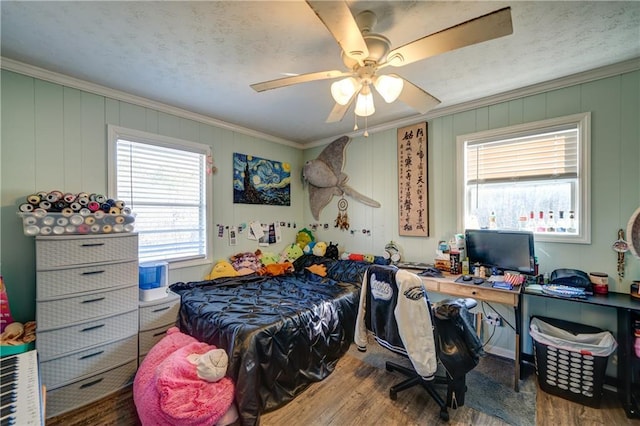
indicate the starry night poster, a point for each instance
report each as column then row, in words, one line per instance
column 260, row 181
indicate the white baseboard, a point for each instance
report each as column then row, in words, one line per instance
column 501, row 352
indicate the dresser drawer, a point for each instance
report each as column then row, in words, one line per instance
column 62, row 282
column 148, row 339
column 60, row 251
column 66, row 369
column 159, row 314
column 57, row 313
column 85, row 391
column 66, row 340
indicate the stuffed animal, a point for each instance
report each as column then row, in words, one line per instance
column 275, row 269
column 380, row 260
column 222, row 269
column 304, row 237
column 308, row 249
column 291, row 253
column 268, row 258
column 320, row 270
column 320, row 248
column 246, row 262
column 332, row 251
column 182, row 381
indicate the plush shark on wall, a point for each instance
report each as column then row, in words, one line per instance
column 325, row 178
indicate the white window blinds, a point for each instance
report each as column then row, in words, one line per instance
column 536, row 167
column 550, row 155
column 165, row 187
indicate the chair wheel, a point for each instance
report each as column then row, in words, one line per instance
column 393, row 395
column 444, row 415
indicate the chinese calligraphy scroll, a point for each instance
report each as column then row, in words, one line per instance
column 413, row 195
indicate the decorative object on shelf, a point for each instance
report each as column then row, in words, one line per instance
column 635, row 290
column 633, row 233
column 342, row 221
column 600, row 281
column 621, row 247
column 18, row 333
column 413, row 185
column 326, row 179
column 5, row 311
column 392, row 252
column 58, row 213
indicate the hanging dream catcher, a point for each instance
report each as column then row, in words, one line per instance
column 342, row 221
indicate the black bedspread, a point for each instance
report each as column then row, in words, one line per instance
column 281, row 333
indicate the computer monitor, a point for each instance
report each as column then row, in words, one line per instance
column 503, row 250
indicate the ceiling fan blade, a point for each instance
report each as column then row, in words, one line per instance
column 340, row 22
column 338, row 112
column 416, row 98
column 487, row 27
column 296, row 79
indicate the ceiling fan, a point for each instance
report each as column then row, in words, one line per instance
column 365, row 53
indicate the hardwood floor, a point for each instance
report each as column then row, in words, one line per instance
column 357, row 393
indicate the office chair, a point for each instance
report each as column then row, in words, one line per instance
column 395, row 308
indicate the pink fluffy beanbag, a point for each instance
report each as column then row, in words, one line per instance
column 181, row 382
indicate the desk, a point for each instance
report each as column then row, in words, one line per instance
column 627, row 310
column 483, row 292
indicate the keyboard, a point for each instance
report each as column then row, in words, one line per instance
column 20, row 390
column 414, row 265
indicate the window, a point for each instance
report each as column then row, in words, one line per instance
column 533, row 177
column 166, row 184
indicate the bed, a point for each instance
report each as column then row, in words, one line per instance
column 281, row 333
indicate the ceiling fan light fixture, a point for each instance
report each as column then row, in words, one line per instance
column 389, row 87
column 364, row 103
column 343, row 90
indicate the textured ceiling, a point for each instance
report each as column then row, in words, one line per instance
column 202, row 56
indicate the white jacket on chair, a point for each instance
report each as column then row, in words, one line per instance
column 394, row 307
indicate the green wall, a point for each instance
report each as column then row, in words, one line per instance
column 54, row 137
column 614, row 103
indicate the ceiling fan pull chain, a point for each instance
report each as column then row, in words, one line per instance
column 355, row 121
column 366, row 126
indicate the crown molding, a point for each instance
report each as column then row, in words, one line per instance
column 65, row 80
column 534, row 89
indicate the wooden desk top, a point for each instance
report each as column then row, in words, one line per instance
column 484, row 291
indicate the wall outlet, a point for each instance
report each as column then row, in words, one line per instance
column 494, row 320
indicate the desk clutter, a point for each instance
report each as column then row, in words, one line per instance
column 58, row 213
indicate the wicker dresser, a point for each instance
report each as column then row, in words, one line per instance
column 156, row 317
column 87, row 316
